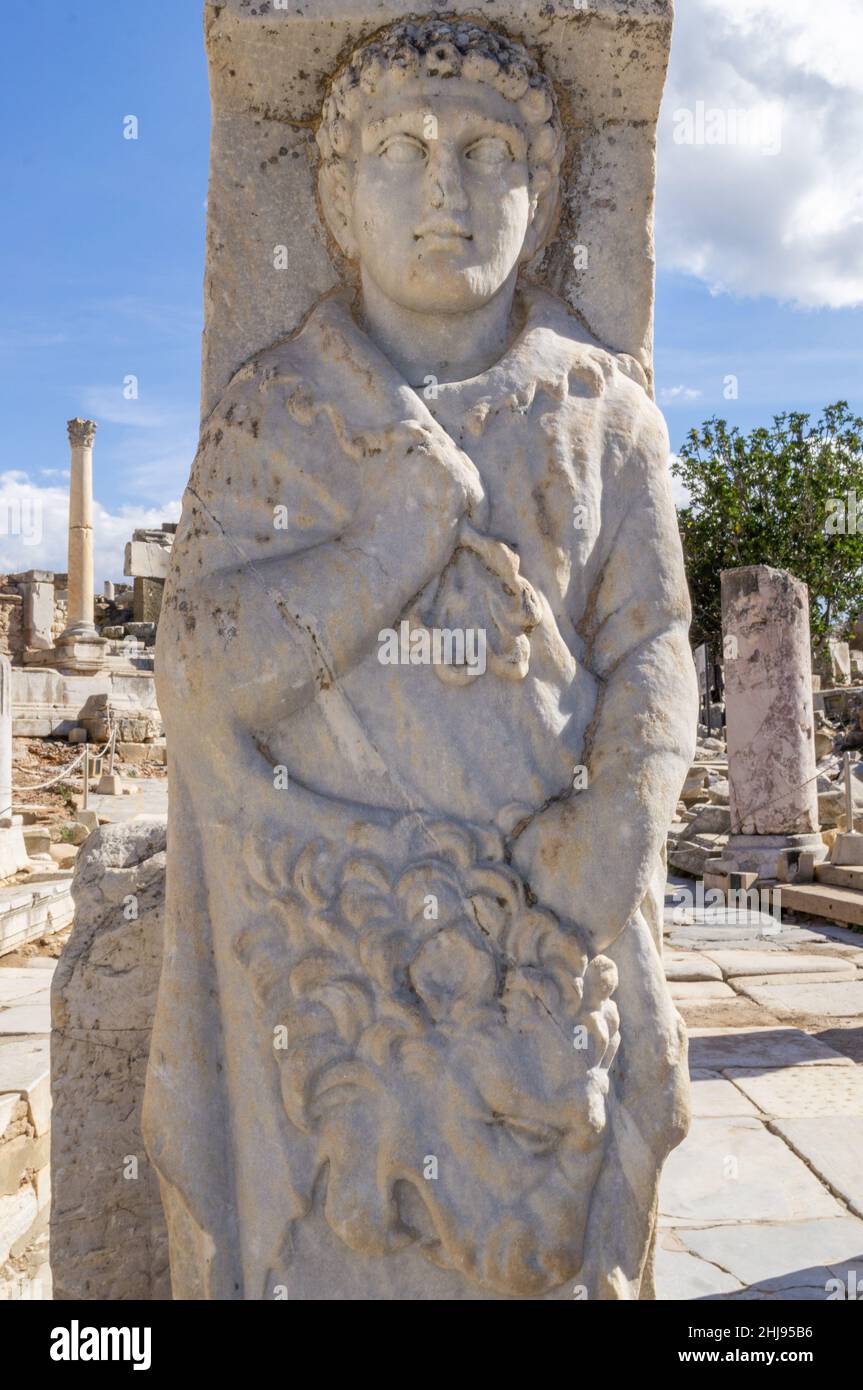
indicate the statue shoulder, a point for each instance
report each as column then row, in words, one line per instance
column 609, row 369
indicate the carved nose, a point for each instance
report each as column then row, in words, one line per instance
column 414, row 1215
column 447, row 190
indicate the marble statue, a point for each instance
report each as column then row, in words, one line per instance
column 424, row 670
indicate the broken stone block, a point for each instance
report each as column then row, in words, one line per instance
column 832, row 661
column 147, row 600
column 147, row 559
column 107, row 1228
column 711, row 820
column 110, row 784
column 694, row 786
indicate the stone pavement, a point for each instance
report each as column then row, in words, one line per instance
column 764, row 1199
column 149, row 799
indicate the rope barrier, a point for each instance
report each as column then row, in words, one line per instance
column 70, row 768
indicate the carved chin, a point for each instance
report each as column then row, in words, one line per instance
column 515, row 1258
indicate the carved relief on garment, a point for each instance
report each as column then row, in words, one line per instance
column 447, row 1048
column 482, row 591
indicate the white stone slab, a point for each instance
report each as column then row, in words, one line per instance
column 19, row 984
column 821, row 977
column 797, row 1254
column 25, row 1067
column 732, row 1170
column 8, row 1103
column 843, row 999
column 801, row 1092
column 733, row 963
column 680, row 1275
column 689, row 965
column 32, row 1015
column 717, row 1049
column 702, row 990
column 713, row 1097
column 833, row 1146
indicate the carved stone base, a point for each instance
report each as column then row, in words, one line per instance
column 764, row 854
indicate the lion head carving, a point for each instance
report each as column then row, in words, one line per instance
column 448, row 1048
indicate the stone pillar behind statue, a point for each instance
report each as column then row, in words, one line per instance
column 770, row 721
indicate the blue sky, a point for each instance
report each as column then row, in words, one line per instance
column 103, row 238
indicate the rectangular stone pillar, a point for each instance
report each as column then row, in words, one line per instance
column 770, row 720
column 13, row 852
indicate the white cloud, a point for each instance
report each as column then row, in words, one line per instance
column 669, row 395
column 34, row 524
column 787, row 224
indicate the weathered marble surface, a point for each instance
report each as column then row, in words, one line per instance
column 269, row 72
column 412, row 978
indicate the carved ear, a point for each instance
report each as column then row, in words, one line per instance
column 545, row 205
column 335, row 194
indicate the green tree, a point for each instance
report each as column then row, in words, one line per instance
column 790, row 496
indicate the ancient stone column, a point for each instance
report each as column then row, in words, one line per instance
column 13, row 852
column 5, row 741
column 80, row 625
column 770, row 722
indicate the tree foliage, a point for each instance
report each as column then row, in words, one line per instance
column 790, row 496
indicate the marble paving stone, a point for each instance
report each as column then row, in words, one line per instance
column 833, row 1146
column 820, row 977
column 33, row 1015
column 844, row 999
column 717, row 1049
column 801, row 1092
column 734, row 1170
column 684, row 965
column 739, row 1012
column 713, row 1096
column 19, row 984
column 803, row 1254
column 701, row 990
column 25, row 1067
column 681, row 1275
column 734, row 963
column 737, row 938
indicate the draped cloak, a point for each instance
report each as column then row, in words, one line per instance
column 572, row 566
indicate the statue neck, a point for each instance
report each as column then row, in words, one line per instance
column 448, row 347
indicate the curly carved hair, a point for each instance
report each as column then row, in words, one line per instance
column 413, row 49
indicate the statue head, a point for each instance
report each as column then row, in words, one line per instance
column 441, row 148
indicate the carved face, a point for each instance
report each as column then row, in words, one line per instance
column 441, row 208
column 475, row 1143
column 448, row 1055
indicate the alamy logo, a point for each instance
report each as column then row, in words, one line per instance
column 76, row 1343
column 436, row 646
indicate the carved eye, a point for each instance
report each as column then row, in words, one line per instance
column 533, row 1139
column 490, row 150
column 403, row 150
